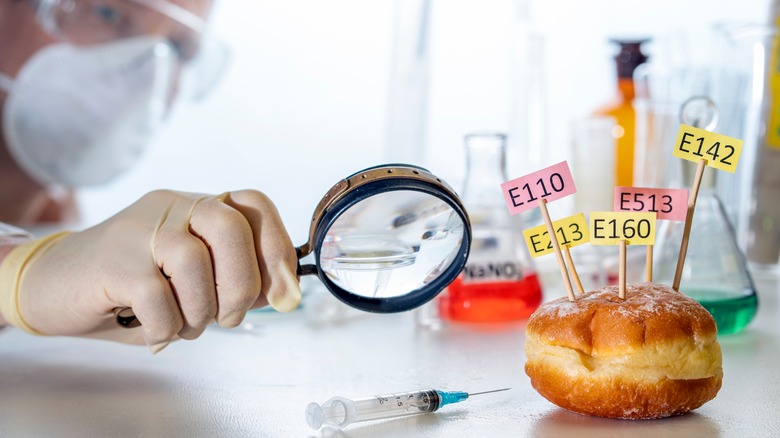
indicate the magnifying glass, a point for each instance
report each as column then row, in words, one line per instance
column 386, row 239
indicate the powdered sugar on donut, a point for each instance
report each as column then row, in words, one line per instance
column 641, row 299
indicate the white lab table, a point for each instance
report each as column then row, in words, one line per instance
column 258, row 382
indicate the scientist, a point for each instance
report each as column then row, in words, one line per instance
column 85, row 84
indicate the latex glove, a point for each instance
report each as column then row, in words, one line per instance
column 180, row 260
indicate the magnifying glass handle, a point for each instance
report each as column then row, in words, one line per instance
column 306, row 269
column 302, row 252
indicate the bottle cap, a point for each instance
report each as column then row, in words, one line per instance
column 630, row 56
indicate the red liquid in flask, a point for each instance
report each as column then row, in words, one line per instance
column 494, row 301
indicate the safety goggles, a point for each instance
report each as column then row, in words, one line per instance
column 202, row 58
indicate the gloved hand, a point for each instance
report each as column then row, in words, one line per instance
column 180, row 260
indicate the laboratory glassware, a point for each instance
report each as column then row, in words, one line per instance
column 738, row 79
column 528, row 144
column 339, row 412
column 621, row 108
column 386, row 239
column 593, row 160
column 752, row 52
column 407, row 100
column 715, row 272
column 499, row 282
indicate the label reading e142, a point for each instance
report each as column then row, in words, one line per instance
column 720, row 151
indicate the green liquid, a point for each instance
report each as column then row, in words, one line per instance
column 732, row 312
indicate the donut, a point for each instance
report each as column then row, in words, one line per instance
column 653, row 355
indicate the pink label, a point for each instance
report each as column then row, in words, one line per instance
column 550, row 183
column 670, row 204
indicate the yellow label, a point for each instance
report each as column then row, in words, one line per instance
column 571, row 231
column 773, row 129
column 720, row 151
column 610, row 227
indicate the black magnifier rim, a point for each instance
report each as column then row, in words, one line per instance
column 414, row 298
column 389, row 166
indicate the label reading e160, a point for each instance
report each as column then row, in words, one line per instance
column 550, row 183
column 571, row 231
column 610, row 227
column 720, row 151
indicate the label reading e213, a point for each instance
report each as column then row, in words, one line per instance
column 550, row 183
column 720, row 151
column 610, row 227
column 572, row 231
column 669, row 204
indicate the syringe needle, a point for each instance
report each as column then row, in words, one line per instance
column 488, row 392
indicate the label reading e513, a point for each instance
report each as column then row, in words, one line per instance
column 669, row 204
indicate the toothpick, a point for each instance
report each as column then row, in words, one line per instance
column 556, row 248
column 572, row 269
column 649, row 263
column 622, row 270
column 688, row 222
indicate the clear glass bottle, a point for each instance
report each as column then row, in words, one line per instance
column 499, row 282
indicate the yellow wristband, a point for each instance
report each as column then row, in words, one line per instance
column 12, row 271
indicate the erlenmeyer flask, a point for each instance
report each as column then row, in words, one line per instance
column 715, row 272
column 499, row 282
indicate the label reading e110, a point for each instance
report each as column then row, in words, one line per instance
column 610, row 227
column 669, row 204
column 720, row 151
column 550, row 183
column 571, row 231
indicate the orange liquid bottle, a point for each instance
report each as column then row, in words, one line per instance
column 622, row 109
column 499, row 282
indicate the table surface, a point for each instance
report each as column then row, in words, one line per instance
column 256, row 381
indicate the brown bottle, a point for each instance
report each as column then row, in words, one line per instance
column 621, row 108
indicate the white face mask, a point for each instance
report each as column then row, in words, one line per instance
column 78, row 116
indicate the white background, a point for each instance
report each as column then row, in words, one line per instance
column 304, row 101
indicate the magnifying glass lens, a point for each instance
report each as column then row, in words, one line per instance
column 391, row 243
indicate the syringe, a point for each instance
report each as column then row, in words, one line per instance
column 339, row 411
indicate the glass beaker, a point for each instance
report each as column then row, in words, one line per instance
column 499, row 282
column 407, row 103
column 751, row 52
